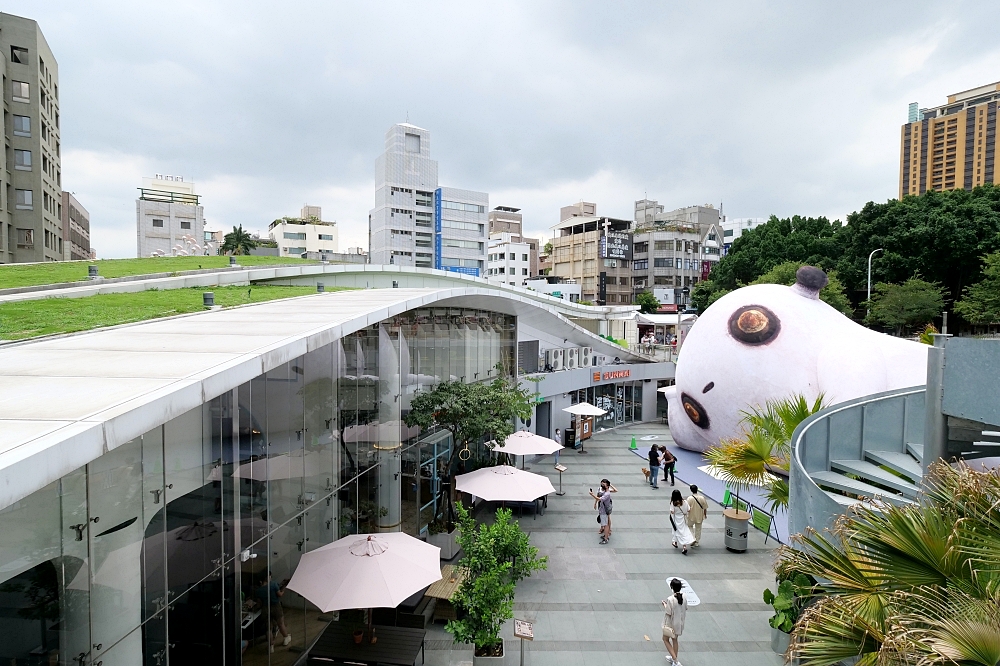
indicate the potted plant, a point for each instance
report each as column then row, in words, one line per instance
column 495, row 557
column 443, row 534
column 788, row 604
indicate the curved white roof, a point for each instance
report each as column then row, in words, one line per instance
column 65, row 401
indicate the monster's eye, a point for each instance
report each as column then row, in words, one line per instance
column 754, row 325
column 695, row 411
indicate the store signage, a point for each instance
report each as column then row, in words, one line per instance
column 612, row 374
column 616, row 245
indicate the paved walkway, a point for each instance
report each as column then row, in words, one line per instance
column 598, row 604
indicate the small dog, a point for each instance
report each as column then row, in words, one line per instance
column 645, row 473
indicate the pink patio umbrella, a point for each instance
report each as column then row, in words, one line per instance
column 523, row 443
column 373, row 571
column 504, row 483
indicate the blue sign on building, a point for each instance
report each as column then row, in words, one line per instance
column 437, row 228
column 463, row 269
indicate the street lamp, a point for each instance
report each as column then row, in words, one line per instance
column 870, row 278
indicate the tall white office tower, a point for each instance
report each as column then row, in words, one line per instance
column 417, row 223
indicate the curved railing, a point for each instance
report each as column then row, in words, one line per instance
column 852, row 447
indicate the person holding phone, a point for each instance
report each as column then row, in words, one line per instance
column 602, row 501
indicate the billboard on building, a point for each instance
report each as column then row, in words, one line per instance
column 616, row 245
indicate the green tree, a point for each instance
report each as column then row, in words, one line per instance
column 808, row 240
column 902, row 306
column 471, row 413
column 238, row 241
column 980, row 302
column 940, row 235
column 912, row 584
column 832, row 294
column 759, row 457
column 548, row 248
column 705, row 293
column 495, row 557
column 647, row 302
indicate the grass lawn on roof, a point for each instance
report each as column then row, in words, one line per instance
column 53, row 272
column 29, row 319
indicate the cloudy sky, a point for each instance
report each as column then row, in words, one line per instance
column 769, row 108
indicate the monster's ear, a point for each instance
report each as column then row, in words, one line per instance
column 808, row 281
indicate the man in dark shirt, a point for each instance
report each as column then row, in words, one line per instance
column 654, row 466
column 270, row 594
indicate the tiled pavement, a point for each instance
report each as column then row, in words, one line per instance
column 598, row 604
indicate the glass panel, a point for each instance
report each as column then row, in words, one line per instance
column 284, row 441
column 74, row 620
column 195, row 623
column 388, row 445
column 116, row 539
column 284, row 608
column 32, row 580
column 154, row 544
column 194, row 529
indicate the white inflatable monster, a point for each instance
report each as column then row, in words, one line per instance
column 770, row 341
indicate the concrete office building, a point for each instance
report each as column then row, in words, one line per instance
column 504, row 219
column 145, row 495
column 417, row 223
column 169, row 218
column 75, row 229
column 950, row 146
column 672, row 251
column 594, row 251
column 308, row 233
column 31, row 227
column 509, row 260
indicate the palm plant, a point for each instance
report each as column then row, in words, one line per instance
column 760, row 456
column 238, row 241
column 915, row 584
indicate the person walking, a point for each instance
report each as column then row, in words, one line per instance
column 654, row 466
column 270, row 594
column 674, row 614
column 558, row 441
column 682, row 536
column 697, row 512
column 602, row 501
column 669, row 462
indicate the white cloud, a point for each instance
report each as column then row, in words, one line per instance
column 780, row 107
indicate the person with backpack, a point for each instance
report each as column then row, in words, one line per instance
column 654, row 466
column 674, row 614
column 697, row 512
column 602, row 502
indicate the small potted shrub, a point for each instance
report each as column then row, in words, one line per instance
column 495, row 557
column 793, row 593
column 443, row 534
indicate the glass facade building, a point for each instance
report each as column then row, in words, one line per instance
column 156, row 552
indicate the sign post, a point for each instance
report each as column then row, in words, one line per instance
column 560, row 469
column 525, row 631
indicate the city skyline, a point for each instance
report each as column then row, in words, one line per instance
column 765, row 110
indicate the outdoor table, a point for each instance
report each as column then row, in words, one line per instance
column 395, row 645
column 444, row 590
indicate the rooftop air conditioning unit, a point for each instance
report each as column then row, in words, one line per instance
column 554, row 359
column 572, row 358
column 586, row 357
column 599, row 359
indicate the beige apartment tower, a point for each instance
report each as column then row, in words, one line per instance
column 31, row 189
column 950, row 146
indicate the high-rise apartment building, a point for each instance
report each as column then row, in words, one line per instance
column 950, row 146
column 673, row 250
column 75, row 229
column 416, row 222
column 31, row 178
column 169, row 218
column 594, row 251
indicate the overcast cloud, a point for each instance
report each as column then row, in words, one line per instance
column 770, row 108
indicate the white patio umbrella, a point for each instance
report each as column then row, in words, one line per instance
column 504, row 483
column 293, row 465
column 523, row 443
column 584, row 409
column 373, row 571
